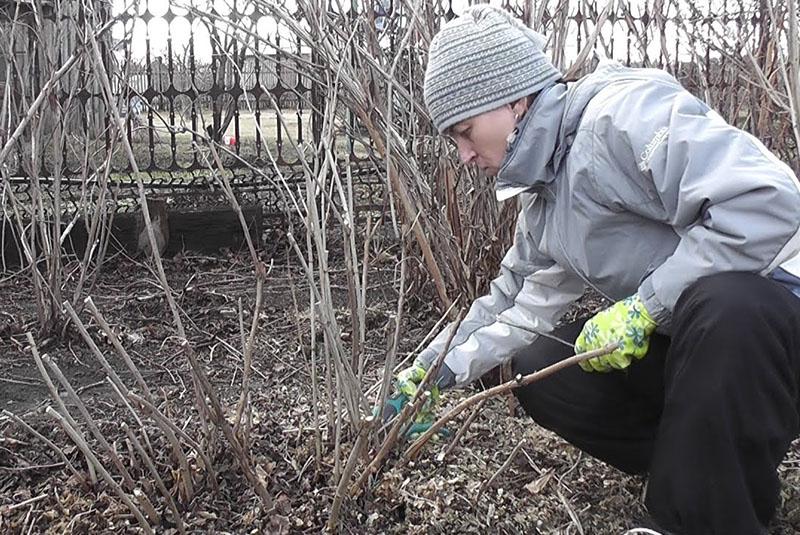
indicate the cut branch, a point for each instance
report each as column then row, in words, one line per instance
column 90, row 456
column 519, row 381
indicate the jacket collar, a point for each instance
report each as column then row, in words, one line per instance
column 533, row 145
column 544, row 135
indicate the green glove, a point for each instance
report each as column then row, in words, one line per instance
column 409, row 379
column 626, row 322
column 406, row 384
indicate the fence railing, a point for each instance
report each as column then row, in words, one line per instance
column 183, row 79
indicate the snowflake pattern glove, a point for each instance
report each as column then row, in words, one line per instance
column 627, row 323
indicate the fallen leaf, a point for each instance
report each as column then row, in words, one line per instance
column 537, row 485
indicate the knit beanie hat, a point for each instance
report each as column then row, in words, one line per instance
column 481, row 60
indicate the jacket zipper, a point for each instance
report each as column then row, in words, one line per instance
column 569, row 260
column 567, row 107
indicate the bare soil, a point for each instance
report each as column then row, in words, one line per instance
column 550, row 487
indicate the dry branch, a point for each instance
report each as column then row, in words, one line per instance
column 151, row 467
column 50, row 444
column 163, row 419
column 126, row 476
column 93, row 347
column 114, row 339
column 347, row 472
column 463, row 429
column 499, row 471
column 55, row 395
column 239, row 451
column 412, row 407
column 124, row 401
column 408, row 410
column 147, row 505
column 90, row 456
column 519, row 381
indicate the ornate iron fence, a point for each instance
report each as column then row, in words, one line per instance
column 182, row 79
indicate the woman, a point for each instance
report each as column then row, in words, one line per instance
column 630, row 185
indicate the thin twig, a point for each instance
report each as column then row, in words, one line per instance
column 499, row 471
column 126, row 476
column 391, row 439
column 349, row 468
column 571, row 512
column 151, row 467
column 249, row 347
column 391, row 356
column 81, row 443
column 115, row 342
column 55, row 395
column 50, row 444
column 5, row 509
column 519, row 381
column 463, row 429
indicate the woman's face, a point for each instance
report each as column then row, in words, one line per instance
column 482, row 140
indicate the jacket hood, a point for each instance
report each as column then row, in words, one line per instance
column 543, row 136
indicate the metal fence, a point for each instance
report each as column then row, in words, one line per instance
column 181, row 80
column 173, row 101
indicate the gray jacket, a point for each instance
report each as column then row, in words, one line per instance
column 628, row 184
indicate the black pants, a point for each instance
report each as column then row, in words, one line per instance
column 709, row 413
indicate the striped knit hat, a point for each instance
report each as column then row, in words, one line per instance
column 480, row 61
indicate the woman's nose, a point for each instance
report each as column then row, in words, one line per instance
column 465, row 152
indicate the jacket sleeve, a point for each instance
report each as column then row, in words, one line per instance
column 531, row 292
column 731, row 202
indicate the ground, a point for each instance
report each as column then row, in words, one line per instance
column 549, row 487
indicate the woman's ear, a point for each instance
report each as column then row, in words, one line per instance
column 520, row 107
